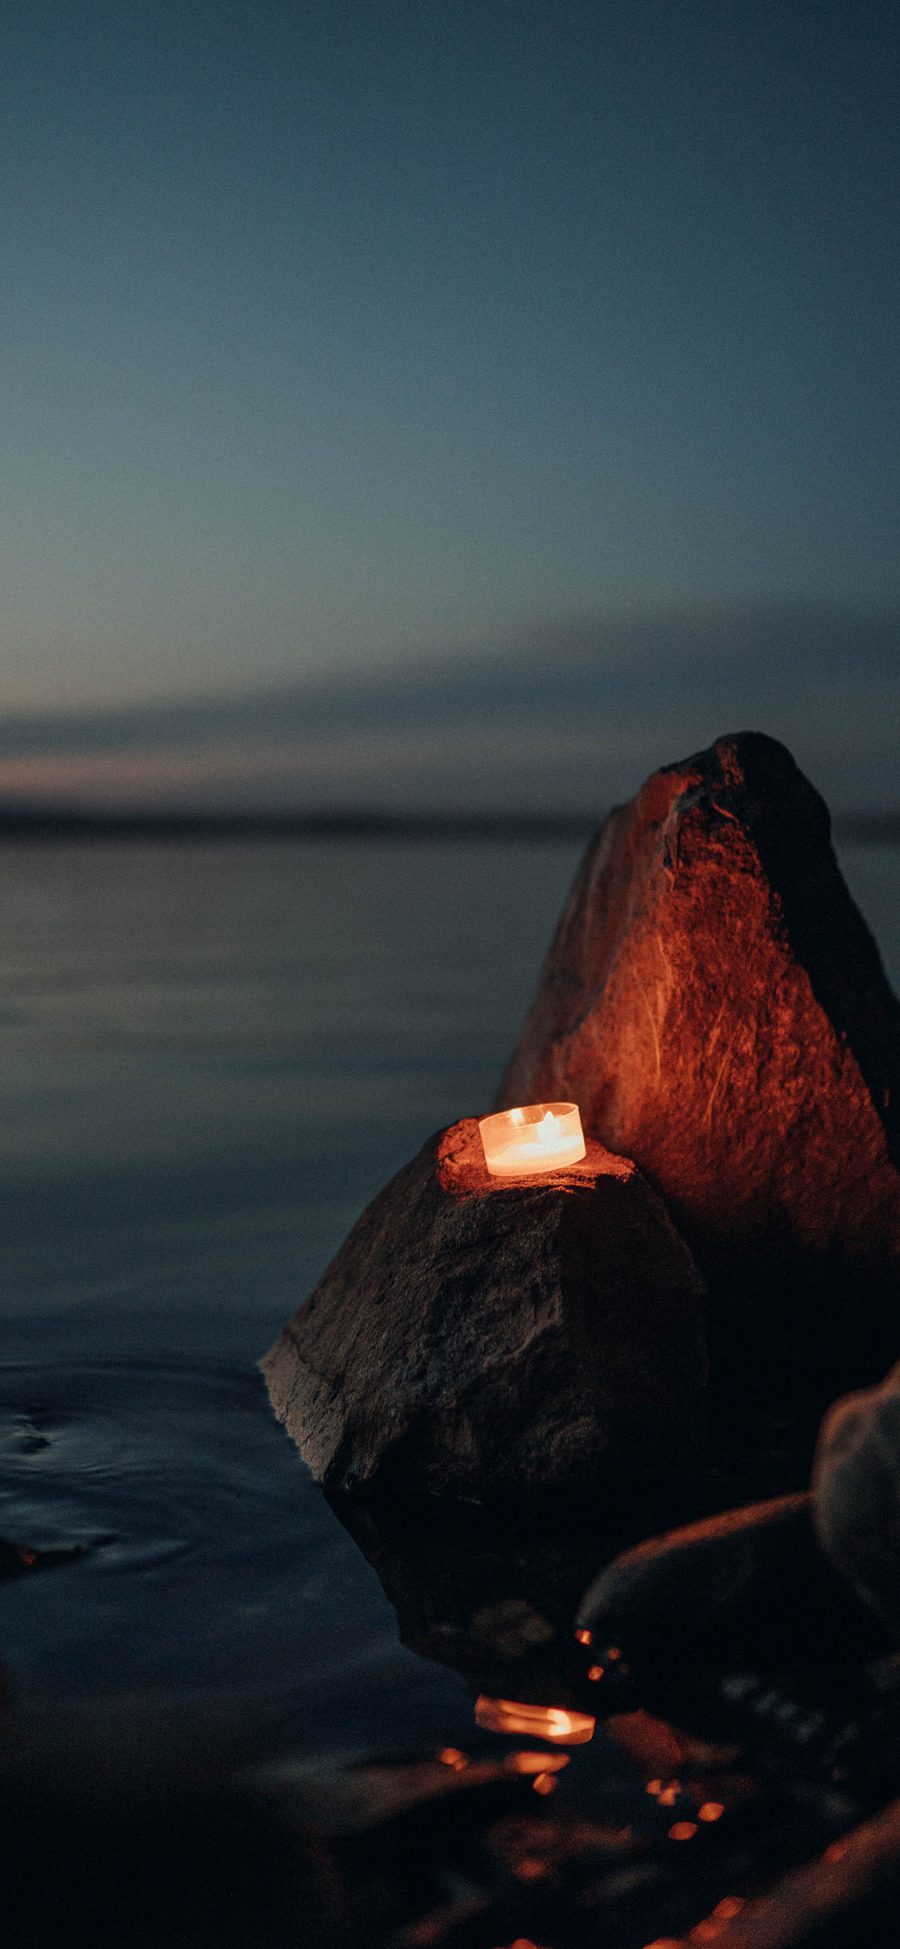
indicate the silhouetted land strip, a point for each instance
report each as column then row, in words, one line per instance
column 860, row 828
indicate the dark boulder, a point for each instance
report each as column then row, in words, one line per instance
column 716, row 1005
column 856, row 1493
column 748, row 1586
column 115, row 1838
column 476, row 1335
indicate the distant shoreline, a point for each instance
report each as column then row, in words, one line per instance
column 860, row 828
column 297, row 825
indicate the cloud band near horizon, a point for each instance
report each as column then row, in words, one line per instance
column 565, row 715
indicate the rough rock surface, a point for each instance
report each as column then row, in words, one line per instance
column 716, row 1005
column 856, row 1493
column 476, row 1335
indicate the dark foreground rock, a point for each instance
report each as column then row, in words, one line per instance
column 842, row 1899
column 453, row 1850
column 715, row 1003
column 476, row 1336
column 106, row 1845
column 856, row 1491
column 748, row 1586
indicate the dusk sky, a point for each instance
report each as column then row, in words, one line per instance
column 446, row 404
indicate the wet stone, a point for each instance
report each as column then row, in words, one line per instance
column 748, row 1585
column 476, row 1336
column 856, row 1490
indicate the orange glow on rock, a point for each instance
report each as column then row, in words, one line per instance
column 537, row 1762
column 729, row 1905
column 595, row 1672
column 650, row 1743
column 682, row 1830
column 583, row 1636
column 554, row 1722
column 451, row 1756
column 710, row 1810
column 544, row 1783
column 521, row 1942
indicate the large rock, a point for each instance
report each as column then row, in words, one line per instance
column 749, row 1585
column 476, row 1334
column 715, row 1003
column 856, row 1493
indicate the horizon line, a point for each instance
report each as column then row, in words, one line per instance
column 49, row 822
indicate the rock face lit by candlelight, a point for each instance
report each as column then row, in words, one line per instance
column 538, row 1137
column 715, row 1003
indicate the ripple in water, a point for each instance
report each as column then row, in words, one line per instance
column 216, row 1586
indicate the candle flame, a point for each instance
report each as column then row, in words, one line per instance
column 541, row 1721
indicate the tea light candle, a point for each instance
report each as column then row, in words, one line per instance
column 538, row 1137
column 554, row 1722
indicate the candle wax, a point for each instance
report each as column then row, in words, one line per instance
column 515, row 1160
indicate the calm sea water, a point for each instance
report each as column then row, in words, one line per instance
column 214, row 1055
